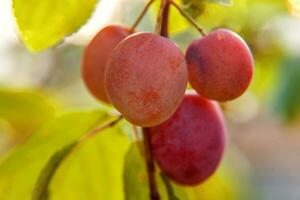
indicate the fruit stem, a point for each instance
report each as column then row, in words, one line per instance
column 165, row 21
column 187, row 16
column 154, row 195
column 161, row 17
column 142, row 14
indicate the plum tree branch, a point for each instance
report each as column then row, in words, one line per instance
column 154, row 195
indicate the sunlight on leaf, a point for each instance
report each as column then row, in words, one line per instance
column 24, row 110
column 94, row 170
column 45, row 23
column 20, row 169
column 41, row 187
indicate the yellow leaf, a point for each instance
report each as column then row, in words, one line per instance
column 45, row 23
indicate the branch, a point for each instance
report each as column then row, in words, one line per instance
column 154, row 195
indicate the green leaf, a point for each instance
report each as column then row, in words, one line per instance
column 94, row 170
column 169, row 187
column 41, row 191
column 135, row 175
column 217, row 15
column 287, row 98
column 135, row 178
column 20, row 169
column 24, row 110
column 194, row 7
column 41, row 188
column 45, row 23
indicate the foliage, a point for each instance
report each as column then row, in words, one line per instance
column 43, row 24
column 110, row 165
column 20, row 167
column 287, row 97
column 24, row 110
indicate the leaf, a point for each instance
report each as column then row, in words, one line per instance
column 41, row 188
column 135, row 175
column 135, row 179
column 217, row 15
column 194, row 7
column 94, row 169
column 24, row 110
column 20, row 169
column 45, row 23
column 169, row 187
column 287, row 99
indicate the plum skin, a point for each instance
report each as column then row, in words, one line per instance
column 95, row 58
column 146, row 78
column 189, row 146
column 220, row 65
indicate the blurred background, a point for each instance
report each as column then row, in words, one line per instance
column 262, row 159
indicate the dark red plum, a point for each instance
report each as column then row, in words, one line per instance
column 189, row 146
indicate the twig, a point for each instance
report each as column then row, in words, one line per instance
column 188, row 17
column 140, row 17
column 154, row 195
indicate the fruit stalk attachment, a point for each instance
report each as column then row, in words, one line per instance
column 165, row 21
column 162, row 19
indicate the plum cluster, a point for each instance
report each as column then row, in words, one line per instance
column 145, row 76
